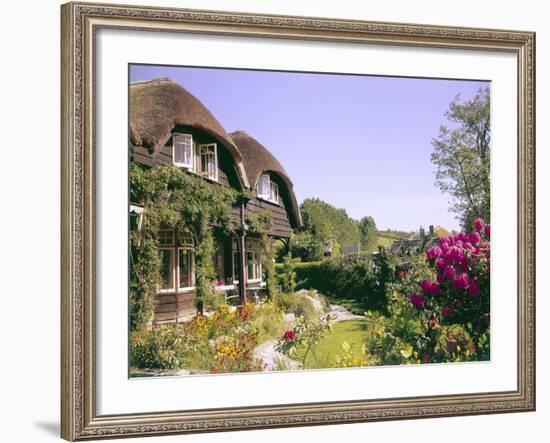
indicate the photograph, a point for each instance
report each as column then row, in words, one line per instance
column 297, row 221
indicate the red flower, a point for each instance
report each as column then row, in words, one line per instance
column 478, row 224
column 417, row 301
column 461, row 281
column 473, row 289
column 289, row 335
column 446, row 311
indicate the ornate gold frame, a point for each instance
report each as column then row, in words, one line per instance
column 79, row 420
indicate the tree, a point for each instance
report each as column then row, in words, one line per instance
column 367, row 233
column 462, row 156
column 327, row 225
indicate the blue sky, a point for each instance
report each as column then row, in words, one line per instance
column 362, row 143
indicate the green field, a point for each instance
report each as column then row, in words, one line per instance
column 352, row 331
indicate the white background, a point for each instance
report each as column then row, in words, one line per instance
column 29, row 220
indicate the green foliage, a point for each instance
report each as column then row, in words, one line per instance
column 309, row 304
column 307, row 247
column 327, row 226
column 165, row 347
column 174, row 199
column 302, row 340
column 462, row 156
column 286, row 274
column 368, row 234
column 359, row 278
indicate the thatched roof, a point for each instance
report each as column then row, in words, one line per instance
column 257, row 159
column 159, row 105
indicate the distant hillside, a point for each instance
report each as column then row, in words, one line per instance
column 386, row 238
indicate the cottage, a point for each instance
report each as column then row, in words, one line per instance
column 168, row 125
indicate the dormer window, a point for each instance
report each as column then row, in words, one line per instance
column 182, row 150
column 268, row 189
column 208, row 161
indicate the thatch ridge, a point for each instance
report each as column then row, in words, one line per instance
column 258, row 159
column 157, row 106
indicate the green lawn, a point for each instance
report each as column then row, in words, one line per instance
column 351, row 331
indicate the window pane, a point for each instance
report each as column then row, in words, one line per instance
column 274, row 194
column 183, row 151
column 263, row 186
column 218, row 261
column 167, row 268
column 185, row 238
column 166, row 238
column 236, row 267
column 208, row 164
column 250, row 265
column 185, row 260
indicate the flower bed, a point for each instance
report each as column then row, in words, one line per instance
column 220, row 342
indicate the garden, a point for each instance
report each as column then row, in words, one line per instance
column 431, row 307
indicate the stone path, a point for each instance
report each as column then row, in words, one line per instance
column 273, row 359
column 339, row 313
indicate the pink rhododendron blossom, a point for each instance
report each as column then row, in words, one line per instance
column 462, row 236
column 446, row 311
column 461, row 281
column 430, row 287
column 473, row 289
column 440, row 263
column 417, row 301
column 433, row 252
column 474, row 238
column 478, row 224
column 450, row 272
column 487, row 230
column 426, row 285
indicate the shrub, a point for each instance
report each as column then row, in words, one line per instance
column 286, row 274
column 357, row 277
column 309, row 304
column 303, row 339
column 165, row 347
column 448, row 293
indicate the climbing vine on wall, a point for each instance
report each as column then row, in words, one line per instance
column 174, row 199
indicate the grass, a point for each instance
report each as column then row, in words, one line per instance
column 352, row 331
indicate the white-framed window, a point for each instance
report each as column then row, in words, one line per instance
column 208, row 161
column 168, row 283
column 253, row 259
column 182, row 150
column 267, row 189
column 186, row 268
column 177, row 256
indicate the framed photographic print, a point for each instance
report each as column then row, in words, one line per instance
column 282, row 221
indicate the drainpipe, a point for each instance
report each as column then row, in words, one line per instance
column 242, row 256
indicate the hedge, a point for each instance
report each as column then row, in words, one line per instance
column 346, row 277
